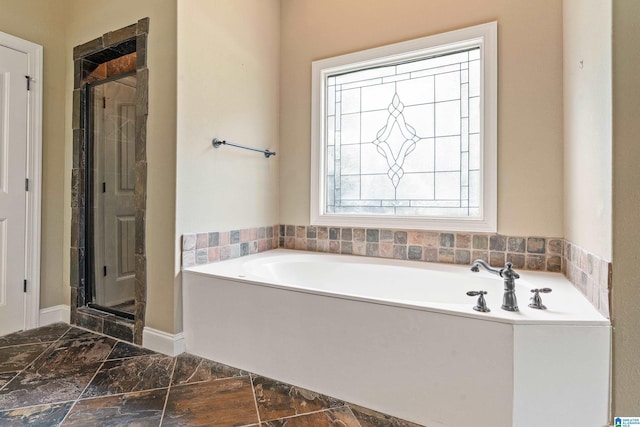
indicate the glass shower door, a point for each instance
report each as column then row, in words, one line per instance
column 113, row 119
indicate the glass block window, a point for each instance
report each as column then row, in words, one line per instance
column 407, row 137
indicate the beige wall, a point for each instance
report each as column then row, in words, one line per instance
column 228, row 68
column 228, row 65
column 626, row 204
column 587, row 124
column 86, row 20
column 530, row 189
column 40, row 21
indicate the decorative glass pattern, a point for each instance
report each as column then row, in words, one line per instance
column 404, row 139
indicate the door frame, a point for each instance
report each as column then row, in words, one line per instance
column 34, row 174
column 86, row 58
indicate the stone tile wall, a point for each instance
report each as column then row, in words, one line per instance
column 589, row 273
column 105, row 323
column 206, row 247
column 530, row 253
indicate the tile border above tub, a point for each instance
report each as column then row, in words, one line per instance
column 524, row 252
column 212, row 246
column 591, row 274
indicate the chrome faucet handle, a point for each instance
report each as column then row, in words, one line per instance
column 536, row 301
column 482, row 304
column 508, row 272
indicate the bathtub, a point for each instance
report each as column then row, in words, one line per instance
column 401, row 337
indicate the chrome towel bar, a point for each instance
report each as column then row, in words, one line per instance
column 217, row 143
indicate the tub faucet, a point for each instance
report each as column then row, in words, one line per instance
column 509, row 301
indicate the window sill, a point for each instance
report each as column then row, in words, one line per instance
column 440, row 224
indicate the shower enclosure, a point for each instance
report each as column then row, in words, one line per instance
column 108, row 257
column 111, row 178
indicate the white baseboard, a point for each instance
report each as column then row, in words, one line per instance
column 163, row 342
column 57, row 313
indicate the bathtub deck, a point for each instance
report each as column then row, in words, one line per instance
column 566, row 305
column 62, row 375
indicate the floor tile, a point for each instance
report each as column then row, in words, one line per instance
column 132, row 409
column 43, row 373
column 190, row 368
column 369, row 418
column 44, row 334
column 33, row 387
column 69, row 354
column 278, row 400
column 44, row 415
column 75, row 333
column 124, row 349
column 129, row 375
column 218, row 403
column 336, row 417
column 5, row 377
column 18, row 357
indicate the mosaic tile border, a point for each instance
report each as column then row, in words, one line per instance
column 591, row 274
column 528, row 253
column 207, row 247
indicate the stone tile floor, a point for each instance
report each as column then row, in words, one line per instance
column 63, row 375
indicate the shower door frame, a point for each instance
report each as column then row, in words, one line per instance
column 87, row 57
column 91, row 169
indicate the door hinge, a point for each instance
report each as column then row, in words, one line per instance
column 104, row 270
column 104, row 187
column 104, row 102
column 24, row 289
column 26, row 184
column 28, row 82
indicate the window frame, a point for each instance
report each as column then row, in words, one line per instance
column 484, row 36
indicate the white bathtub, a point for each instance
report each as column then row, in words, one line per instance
column 401, row 337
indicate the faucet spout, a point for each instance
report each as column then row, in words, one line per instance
column 479, row 262
column 509, row 301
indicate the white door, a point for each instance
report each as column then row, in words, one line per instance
column 13, row 166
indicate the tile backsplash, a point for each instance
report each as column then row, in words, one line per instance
column 588, row 272
column 530, row 253
column 206, row 247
